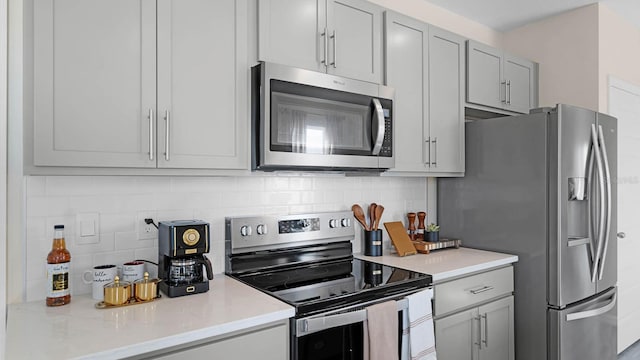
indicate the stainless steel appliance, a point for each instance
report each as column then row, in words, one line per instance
column 542, row 186
column 306, row 261
column 181, row 248
column 305, row 120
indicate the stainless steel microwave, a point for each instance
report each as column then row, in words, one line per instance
column 306, row 120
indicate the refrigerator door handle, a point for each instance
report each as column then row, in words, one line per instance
column 590, row 197
column 601, row 201
column 593, row 312
column 607, row 227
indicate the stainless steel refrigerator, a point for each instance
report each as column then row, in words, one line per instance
column 543, row 186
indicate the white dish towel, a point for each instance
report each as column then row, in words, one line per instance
column 422, row 341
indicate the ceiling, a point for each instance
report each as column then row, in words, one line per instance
column 504, row 15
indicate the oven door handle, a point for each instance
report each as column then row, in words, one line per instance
column 314, row 324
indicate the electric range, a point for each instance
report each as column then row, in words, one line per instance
column 307, row 261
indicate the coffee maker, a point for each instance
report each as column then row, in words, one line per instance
column 181, row 248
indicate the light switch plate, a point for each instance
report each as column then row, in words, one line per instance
column 87, row 228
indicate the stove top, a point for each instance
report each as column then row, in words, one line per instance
column 325, row 286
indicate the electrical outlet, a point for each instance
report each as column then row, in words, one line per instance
column 146, row 231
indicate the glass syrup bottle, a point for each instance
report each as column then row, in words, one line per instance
column 58, row 261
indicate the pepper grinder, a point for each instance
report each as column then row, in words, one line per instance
column 420, row 233
column 412, row 225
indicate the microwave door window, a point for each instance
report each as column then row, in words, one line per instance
column 317, row 126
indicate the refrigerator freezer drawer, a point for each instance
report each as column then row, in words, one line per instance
column 472, row 290
column 586, row 331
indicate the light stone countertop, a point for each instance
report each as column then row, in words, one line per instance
column 444, row 264
column 79, row 330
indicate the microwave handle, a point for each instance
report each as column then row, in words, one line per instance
column 378, row 125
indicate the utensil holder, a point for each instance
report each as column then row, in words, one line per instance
column 373, row 242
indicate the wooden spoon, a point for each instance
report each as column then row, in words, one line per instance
column 378, row 216
column 372, row 215
column 359, row 215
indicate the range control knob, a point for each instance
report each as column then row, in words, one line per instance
column 333, row 223
column 261, row 229
column 345, row 222
column 245, row 230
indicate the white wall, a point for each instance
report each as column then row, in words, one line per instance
column 118, row 199
column 566, row 47
column 619, row 55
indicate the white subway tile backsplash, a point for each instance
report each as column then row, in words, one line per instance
column 119, row 199
column 118, row 222
column 36, row 290
column 37, row 185
column 129, row 241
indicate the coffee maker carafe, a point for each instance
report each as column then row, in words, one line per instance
column 181, row 248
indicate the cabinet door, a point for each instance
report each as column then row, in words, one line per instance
column 268, row 344
column 519, row 74
column 484, row 75
column 355, row 28
column 290, row 32
column 202, row 84
column 496, row 330
column 457, row 336
column 94, row 83
column 406, row 52
column 446, row 101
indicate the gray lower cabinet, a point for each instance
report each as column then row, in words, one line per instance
column 474, row 317
column 265, row 343
column 425, row 65
column 139, row 84
column 499, row 80
column 340, row 37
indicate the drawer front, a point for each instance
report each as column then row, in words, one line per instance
column 471, row 290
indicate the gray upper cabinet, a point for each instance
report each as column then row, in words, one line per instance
column 140, row 84
column 341, row 37
column 498, row 80
column 94, row 82
column 425, row 65
column 446, row 101
column 521, row 83
column 202, row 84
column 406, row 70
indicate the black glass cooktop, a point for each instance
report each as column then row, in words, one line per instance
column 332, row 284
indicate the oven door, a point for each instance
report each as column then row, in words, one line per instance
column 337, row 334
column 309, row 120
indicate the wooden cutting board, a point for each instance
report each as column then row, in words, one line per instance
column 400, row 238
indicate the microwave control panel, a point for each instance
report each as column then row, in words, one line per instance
column 387, row 142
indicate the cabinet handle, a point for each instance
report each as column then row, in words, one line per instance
column 479, row 343
column 481, row 290
column 435, row 152
column 326, row 48
column 509, row 92
column 427, row 151
column 505, row 92
column 150, row 117
column 334, row 36
column 166, row 139
column 486, row 330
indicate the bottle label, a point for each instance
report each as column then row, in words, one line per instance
column 58, row 280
